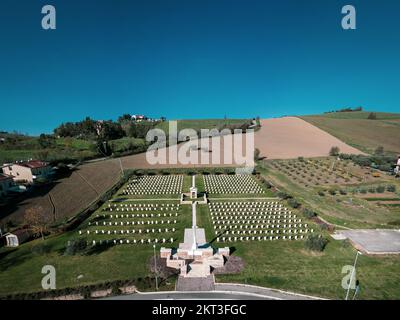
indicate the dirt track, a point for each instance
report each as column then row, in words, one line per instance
column 277, row 139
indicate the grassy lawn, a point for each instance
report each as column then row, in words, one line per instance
column 288, row 266
column 278, row 264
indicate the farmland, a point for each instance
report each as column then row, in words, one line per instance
column 337, row 190
column 358, row 131
column 290, row 137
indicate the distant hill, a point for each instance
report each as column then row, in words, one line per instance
column 357, row 130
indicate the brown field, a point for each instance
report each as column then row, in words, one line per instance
column 69, row 195
column 290, row 137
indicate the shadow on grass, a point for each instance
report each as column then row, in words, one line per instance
column 98, row 249
column 6, row 261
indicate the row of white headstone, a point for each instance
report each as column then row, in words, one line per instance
column 138, row 215
column 128, row 241
column 250, row 219
column 132, row 223
column 259, row 224
column 250, row 204
column 271, row 231
column 144, row 205
column 237, row 239
column 127, row 231
column 258, row 215
column 138, row 209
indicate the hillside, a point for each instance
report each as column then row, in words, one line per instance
column 357, row 130
column 290, row 137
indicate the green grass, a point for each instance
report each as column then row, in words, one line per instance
column 360, row 115
column 288, row 266
column 356, row 130
column 279, row 264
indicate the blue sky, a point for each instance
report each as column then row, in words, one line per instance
column 194, row 59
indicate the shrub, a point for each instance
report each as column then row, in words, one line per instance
column 309, row 213
column 391, row 188
column 284, row 195
column 334, row 151
column 363, row 191
column 115, row 289
column 332, row 192
column 293, row 203
column 321, row 193
column 380, row 189
column 371, row 190
column 316, row 242
column 343, row 192
column 75, row 246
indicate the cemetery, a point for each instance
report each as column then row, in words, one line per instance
column 232, row 184
column 238, row 224
column 256, row 221
column 154, row 185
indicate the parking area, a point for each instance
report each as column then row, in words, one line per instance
column 374, row 241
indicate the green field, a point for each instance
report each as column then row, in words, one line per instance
column 356, row 130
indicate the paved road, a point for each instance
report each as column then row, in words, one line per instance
column 188, row 296
column 223, row 291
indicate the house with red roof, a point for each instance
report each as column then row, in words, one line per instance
column 27, row 171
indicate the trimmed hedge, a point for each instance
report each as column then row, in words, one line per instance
column 85, row 291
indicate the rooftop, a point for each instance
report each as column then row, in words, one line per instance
column 33, row 164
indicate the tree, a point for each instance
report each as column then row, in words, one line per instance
column 36, row 220
column 372, row 116
column 379, row 150
column 334, row 151
column 316, row 242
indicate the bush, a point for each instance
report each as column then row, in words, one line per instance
column 321, row 193
column 309, row 213
column 316, row 242
column 391, row 188
column 284, row 195
column 75, row 247
column 343, row 192
column 293, row 203
column 380, row 189
column 332, row 192
column 334, row 151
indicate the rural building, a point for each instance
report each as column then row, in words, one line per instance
column 138, row 117
column 17, row 237
column 28, row 171
column 6, row 183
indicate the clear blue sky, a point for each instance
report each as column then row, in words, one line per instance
column 194, row 59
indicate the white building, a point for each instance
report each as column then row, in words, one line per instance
column 28, row 171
